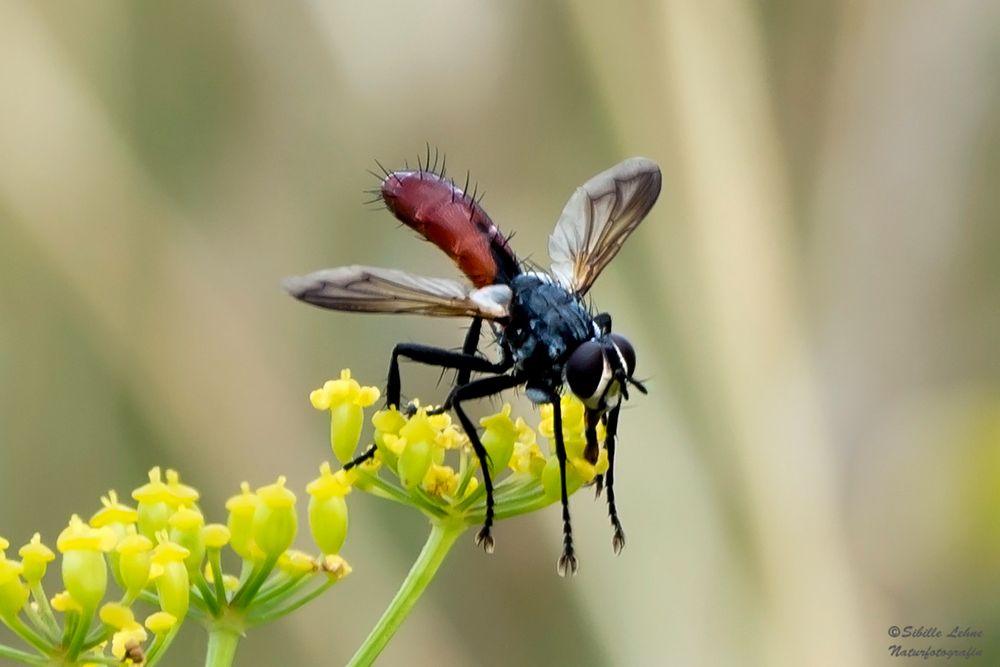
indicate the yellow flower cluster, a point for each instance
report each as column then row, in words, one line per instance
column 427, row 461
column 163, row 553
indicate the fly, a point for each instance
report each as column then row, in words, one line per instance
column 548, row 337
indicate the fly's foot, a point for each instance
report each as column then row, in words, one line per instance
column 485, row 539
column 618, row 539
column 567, row 563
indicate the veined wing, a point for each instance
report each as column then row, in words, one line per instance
column 598, row 218
column 373, row 290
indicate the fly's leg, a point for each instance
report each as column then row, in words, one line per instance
column 593, row 449
column 618, row 537
column 481, row 389
column 567, row 561
column 464, row 375
column 361, row 458
column 466, row 364
column 470, row 347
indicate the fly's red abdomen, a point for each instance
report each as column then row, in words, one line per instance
column 453, row 221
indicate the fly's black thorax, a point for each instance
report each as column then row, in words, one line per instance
column 546, row 324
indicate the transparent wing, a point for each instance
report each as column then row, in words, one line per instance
column 373, row 290
column 598, row 218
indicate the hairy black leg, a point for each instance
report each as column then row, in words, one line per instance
column 470, row 347
column 567, row 561
column 481, row 389
column 502, row 366
column 435, row 356
column 361, row 458
column 618, row 538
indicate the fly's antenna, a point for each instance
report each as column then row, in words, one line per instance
column 641, row 386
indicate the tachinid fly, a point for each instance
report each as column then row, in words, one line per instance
column 548, row 337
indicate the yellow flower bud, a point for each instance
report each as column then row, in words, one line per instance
column 84, row 570
column 215, row 535
column 185, row 529
column 135, row 553
column 35, row 557
column 297, row 562
column 13, row 591
column 63, row 602
column 113, row 512
column 171, row 577
column 179, row 495
column 498, row 438
column 161, row 622
column 387, row 424
column 413, row 462
column 440, row 481
column 242, row 508
column 419, row 428
column 154, row 500
column 345, row 399
column 328, row 518
column 116, row 615
column 275, row 522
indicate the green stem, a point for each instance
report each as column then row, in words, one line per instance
column 21, row 656
column 215, row 559
column 80, row 633
column 261, row 571
column 160, row 644
column 269, row 612
column 439, row 543
column 222, row 643
column 207, row 595
column 45, row 610
column 27, row 634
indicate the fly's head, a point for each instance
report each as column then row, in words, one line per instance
column 600, row 371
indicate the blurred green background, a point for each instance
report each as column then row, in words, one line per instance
column 815, row 300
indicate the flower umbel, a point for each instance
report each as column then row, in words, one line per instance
column 425, row 461
column 164, row 556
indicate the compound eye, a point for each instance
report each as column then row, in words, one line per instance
column 586, row 370
column 626, row 350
